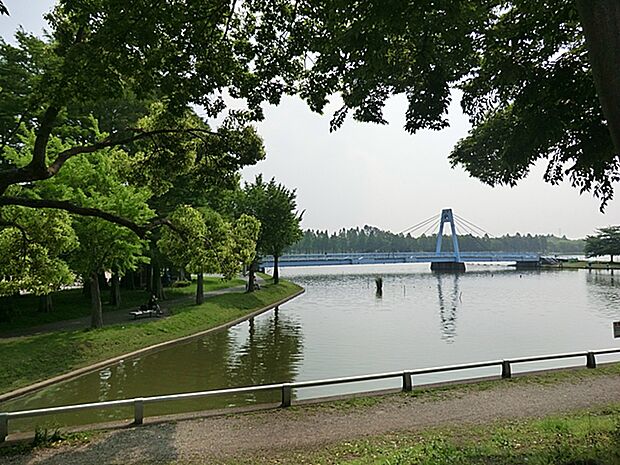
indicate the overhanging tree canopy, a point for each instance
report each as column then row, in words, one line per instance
column 539, row 79
column 179, row 54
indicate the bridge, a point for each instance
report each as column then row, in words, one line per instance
column 440, row 261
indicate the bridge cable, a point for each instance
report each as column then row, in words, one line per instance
column 432, row 226
column 467, row 229
column 471, row 226
column 474, row 235
column 474, row 226
column 419, row 225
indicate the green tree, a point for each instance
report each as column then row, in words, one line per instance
column 32, row 247
column 538, row 79
column 180, row 53
column 606, row 241
column 161, row 147
column 203, row 242
column 96, row 183
column 99, row 182
column 275, row 207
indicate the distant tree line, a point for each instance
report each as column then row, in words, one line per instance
column 372, row 239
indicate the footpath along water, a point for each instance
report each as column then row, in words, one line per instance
column 340, row 327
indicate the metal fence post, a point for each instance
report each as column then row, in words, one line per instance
column 4, row 426
column 138, row 411
column 287, row 395
column 506, row 371
column 407, row 382
column 590, row 360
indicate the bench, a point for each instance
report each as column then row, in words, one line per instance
column 143, row 314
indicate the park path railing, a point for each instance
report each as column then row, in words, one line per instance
column 286, row 389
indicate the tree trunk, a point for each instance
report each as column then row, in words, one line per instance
column 157, row 289
column 601, row 26
column 142, row 276
column 149, row 279
column 45, row 303
column 86, row 287
column 96, row 316
column 276, row 273
column 115, row 290
column 128, row 281
column 251, row 279
column 200, row 289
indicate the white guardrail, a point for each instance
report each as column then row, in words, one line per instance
column 287, row 388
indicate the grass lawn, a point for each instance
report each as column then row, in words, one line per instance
column 586, row 438
column 28, row 359
column 71, row 303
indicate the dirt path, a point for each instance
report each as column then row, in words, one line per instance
column 275, row 432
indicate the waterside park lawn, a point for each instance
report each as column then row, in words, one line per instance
column 30, row 359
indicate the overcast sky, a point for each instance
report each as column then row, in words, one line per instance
column 382, row 176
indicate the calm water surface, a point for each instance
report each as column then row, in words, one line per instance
column 339, row 327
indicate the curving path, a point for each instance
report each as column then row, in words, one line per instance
column 275, row 433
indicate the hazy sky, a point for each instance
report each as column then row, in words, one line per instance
column 382, row 176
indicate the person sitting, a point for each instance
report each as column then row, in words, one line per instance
column 152, row 303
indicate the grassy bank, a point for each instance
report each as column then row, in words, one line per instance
column 591, row 438
column 28, row 359
column 72, row 303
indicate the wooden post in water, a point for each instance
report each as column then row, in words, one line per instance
column 379, row 284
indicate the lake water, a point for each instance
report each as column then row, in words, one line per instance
column 340, row 327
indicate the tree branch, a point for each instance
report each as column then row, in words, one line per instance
column 140, row 230
column 35, row 171
column 37, row 164
column 111, row 141
column 601, row 26
column 78, row 210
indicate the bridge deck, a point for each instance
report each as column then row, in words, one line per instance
column 398, row 257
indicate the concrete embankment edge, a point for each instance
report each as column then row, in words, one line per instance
column 162, row 345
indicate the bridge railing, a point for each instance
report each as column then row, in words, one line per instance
column 286, row 389
column 355, row 258
column 356, row 255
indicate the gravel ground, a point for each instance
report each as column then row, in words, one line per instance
column 271, row 433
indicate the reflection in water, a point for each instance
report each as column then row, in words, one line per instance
column 448, row 313
column 267, row 349
column 339, row 328
column 272, row 352
column 604, row 287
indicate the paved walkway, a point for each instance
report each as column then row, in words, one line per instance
column 113, row 317
column 275, row 434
